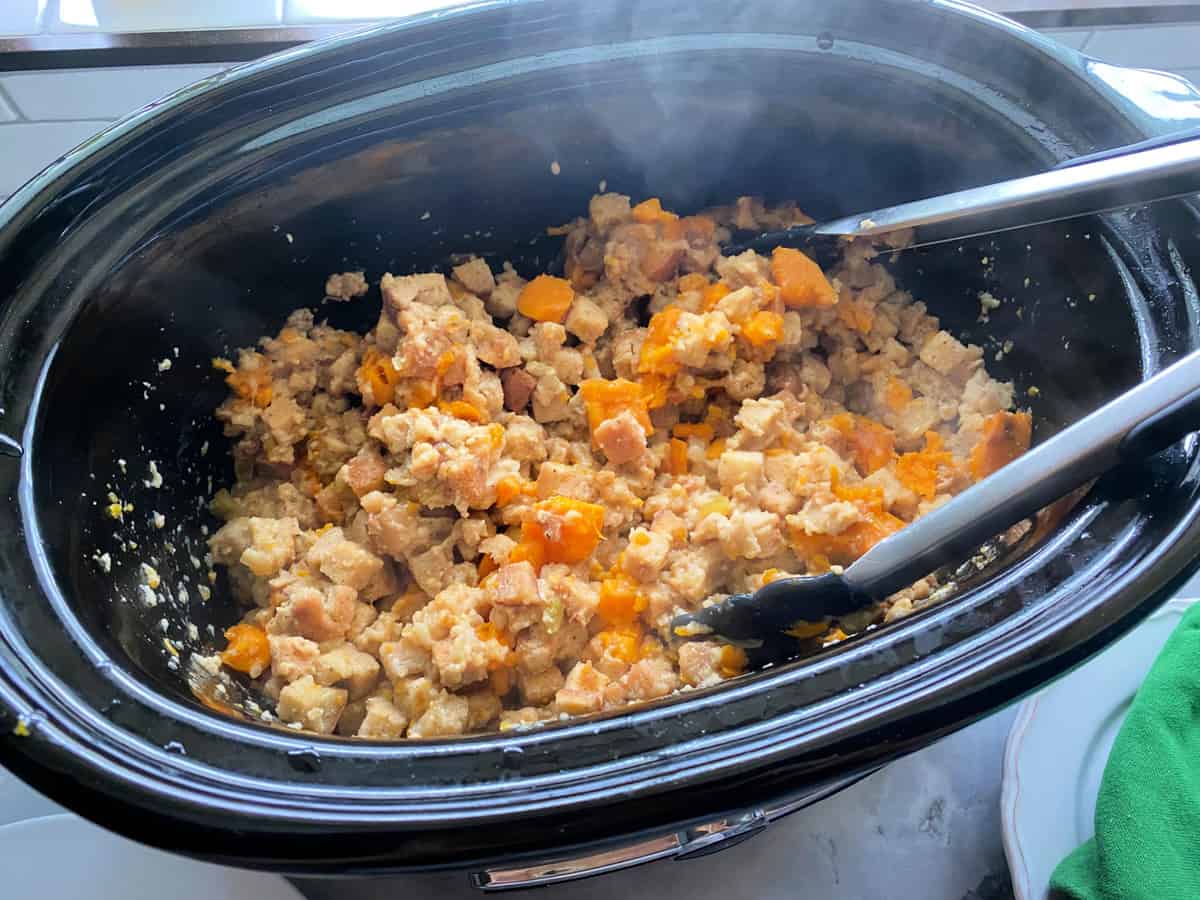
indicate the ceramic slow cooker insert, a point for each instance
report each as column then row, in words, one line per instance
column 197, row 224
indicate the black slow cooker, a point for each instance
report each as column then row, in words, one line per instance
column 195, row 225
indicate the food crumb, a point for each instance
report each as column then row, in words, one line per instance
column 204, row 449
column 1033, row 390
column 1091, row 298
column 104, row 561
column 121, row 464
column 987, row 303
column 22, row 728
column 164, row 364
column 148, row 596
column 171, row 648
column 425, row 215
column 205, row 593
column 555, row 168
column 1026, row 281
column 158, row 519
column 150, row 576
column 155, row 480
column 290, row 239
column 603, row 185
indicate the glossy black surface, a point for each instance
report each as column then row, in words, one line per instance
column 199, row 225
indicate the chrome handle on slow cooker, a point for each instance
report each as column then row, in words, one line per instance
column 687, row 843
column 1105, row 182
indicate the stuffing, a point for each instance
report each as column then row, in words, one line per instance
column 486, row 511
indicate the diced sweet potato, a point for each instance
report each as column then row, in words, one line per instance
column 560, row 529
column 607, row 399
column 620, row 600
column 651, row 212
column 763, row 328
column 546, row 299
column 919, row 471
column 379, row 376
column 249, row 650
column 801, row 281
column 873, row 444
column 1006, row 436
column 677, row 460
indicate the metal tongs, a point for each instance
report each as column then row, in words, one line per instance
column 1156, row 169
column 1142, row 421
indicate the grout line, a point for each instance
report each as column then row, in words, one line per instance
column 98, row 122
column 7, row 100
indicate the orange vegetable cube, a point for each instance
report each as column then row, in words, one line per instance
column 715, row 293
column 803, row 630
column 379, row 373
column 873, row 444
column 919, row 471
column 532, row 551
column 693, row 281
column 559, row 530
column 509, row 488
column 546, row 299
column 732, row 661
column 801, row 281
column 607, row 399
column 622, row 643
column 620, row 600
column 461, row 409
column 1005, row 436
column 656, row 356
column 763, row 328
column 445, row 362
column 677, row 461
column 650, row 211
column 249, row 650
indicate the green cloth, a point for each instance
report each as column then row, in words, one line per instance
column 1147, row 842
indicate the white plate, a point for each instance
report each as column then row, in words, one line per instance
column 1057, row 750
column 19, row 802
column 63, row 857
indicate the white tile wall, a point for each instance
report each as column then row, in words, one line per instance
column 94, row 93
column 1166, row 47
column 28, row 147
column 44, row 113
column 1072, row 37
column 161, row 15
column 21, row 16
column 307, row 12
column 27, row 17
